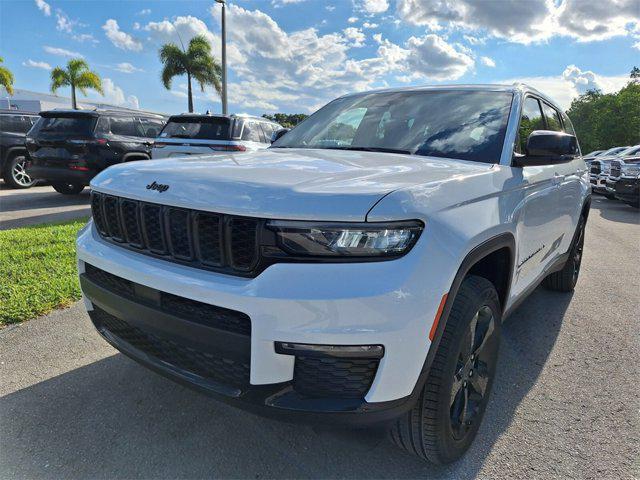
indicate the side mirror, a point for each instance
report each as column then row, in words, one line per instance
column 278, row 133
column 546, row 147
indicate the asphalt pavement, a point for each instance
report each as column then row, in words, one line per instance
column 40, row 204
column 565, row 402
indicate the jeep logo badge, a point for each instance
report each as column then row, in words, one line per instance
column 158, row 186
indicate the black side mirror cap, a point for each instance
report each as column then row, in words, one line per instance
column 546, row 147
column 278, row 133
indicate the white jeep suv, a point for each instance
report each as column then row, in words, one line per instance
column 357, row 271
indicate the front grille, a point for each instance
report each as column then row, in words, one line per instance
column 334, row 377
column 208, row 365
column 616, row 169
column 206, row 240
column 595, row 168
column 185, row 308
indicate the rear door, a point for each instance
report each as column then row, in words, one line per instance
column 193, row 135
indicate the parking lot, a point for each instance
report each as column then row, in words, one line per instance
column 565, row 403
column 40, row 204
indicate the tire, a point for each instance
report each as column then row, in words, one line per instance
column 15, row 174
column 68, row 188
column 565, row 280
column 435, row 429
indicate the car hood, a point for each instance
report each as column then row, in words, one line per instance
column 306, row 184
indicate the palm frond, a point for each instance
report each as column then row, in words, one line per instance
column 90, row 80
column 59, row 78
column 174, row 61
column 6, row 79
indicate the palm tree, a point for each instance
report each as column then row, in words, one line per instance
column 76, row 75
column 6, row 78
column 196, row 62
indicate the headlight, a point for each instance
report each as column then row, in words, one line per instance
column 631, row 170
column 346, row 240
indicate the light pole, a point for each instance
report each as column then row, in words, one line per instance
column 224, row 57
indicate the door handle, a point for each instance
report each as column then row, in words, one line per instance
column 557, row 179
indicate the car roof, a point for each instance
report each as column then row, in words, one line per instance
column 97, row 112
column 515, row 88
column 218, row 115
column 4, row 111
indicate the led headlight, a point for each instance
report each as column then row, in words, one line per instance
column 346, row 240
column 631, row 170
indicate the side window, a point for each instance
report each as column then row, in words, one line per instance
column 124, row 126
column 251, row 132
column 102, row 126
column 530, row 120
column 267, row 128
column 553, row 118
column 150, row 127
column 15, row 123
column 568, row 126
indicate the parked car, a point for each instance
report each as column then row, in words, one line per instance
column 197, row 134
column 70, row 147
column 13, row 161
column 358, row 271
column 615, row 168
column 590, row 156
column 599, row 170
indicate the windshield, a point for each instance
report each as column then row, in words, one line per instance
column 613, row 151
column 65, row 125
column 467, row 125
column 213, row 128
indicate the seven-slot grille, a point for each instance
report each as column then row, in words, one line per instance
column 201, row 239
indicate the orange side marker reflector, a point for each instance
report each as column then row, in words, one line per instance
column 434, row 327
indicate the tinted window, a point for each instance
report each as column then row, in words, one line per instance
column 15, row 123
column 204, row 129
column 65, row 125
column 552, row 117
column 124, row 126
column 530, row 120
column 252, row 132
column 150, row 127
column 469, row 125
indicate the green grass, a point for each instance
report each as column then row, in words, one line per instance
column 37, row 270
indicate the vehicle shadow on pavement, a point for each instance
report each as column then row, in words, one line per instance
column 615, row 211
column 115, row 419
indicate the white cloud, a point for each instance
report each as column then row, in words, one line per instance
column 126, row 67
column 330, row 8
column 487, row 61
column 636, row 45
column 119, row 38
column 474, row 40
column 84, row 37
column 35, row 64
column 526, row 21
column 44, row 7
column 61, row 52
column 144, row 11
column 374, row 6
column 352, row 19
column 281, row 3
column 63, row 22
column 354, row 36
column 369, row 25
column 304, row 69
column 114, row 95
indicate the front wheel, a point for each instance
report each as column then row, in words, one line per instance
column 15, row 173
column 446, row 418
column 68, row 188
column 565, row 280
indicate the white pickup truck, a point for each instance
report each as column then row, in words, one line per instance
column 357, row 271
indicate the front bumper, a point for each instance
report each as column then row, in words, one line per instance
column 381, row 303
column 598, row 183
column 627, row 189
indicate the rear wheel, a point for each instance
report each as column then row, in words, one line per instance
column 67, row 188
column 565, row 280
column 446, row 418
column 15, row 173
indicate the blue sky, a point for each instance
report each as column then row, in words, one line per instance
column 296, row 55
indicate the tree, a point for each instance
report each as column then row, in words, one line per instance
column 196, row 63
column 287, row 120
column 635, row 72
column 77, row 76
column 6, row 78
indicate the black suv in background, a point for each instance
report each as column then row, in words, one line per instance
column 70, row 147
column 13, row 160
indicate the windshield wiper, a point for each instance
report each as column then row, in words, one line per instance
column 371, row 149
